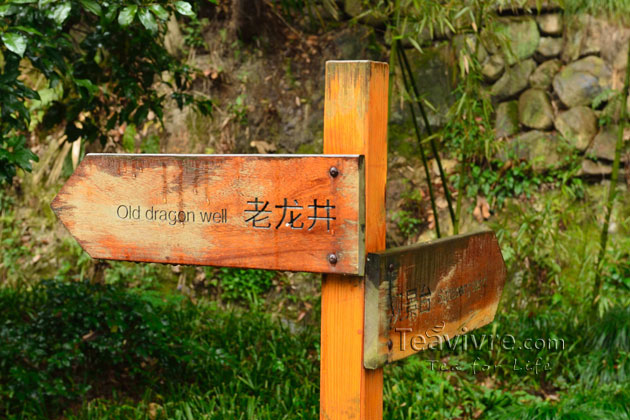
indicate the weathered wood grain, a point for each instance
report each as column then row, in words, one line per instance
column 223, row 210
column 355, row 121
column 421, row 295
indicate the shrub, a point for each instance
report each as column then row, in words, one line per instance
column 100, row 63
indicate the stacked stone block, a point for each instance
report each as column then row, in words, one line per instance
column 551, row 87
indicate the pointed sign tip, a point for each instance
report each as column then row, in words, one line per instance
column 55, row 205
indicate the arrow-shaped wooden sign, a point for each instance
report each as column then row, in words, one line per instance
column 419, row 296
column 279, row 212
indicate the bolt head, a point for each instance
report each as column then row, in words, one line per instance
column 334, row 172
column 332, row 258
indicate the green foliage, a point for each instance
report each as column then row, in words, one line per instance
column 609, row 339
column 108, row 57
column 76, row 262
column 243, row 284
column 492, row 177
column 129, row 139
column 414, row 390
column 139, row 276
column 120, row 350
column 411, row 217
column 14, row 251
column 516, row 181
column 63, row 343
column 150, row 144
column 14, row 154
column 587, row 372
column 609, row 402
column 612, row 189
column 498, row 182
column 54, row 336
column 555, row 230
column 407, row 223
column 613, row 8
column 239, row 109
column 617, row 273
column 584, row 355
column 178, row 359
column 193, row 35
column 469, row 130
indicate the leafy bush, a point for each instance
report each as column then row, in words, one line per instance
column 14, row 250
column 61, row 343
column 606, row 403
column 238, row 283
column 100, row 61
column 407, row 223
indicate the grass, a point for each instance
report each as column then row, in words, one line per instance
column 157, row 341
column 95, row 346
column 612, row 8
column 231, row 343
column 85, row 351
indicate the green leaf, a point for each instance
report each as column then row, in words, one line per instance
column 90, row 87
column 110, row 13
column 141, row 114
column 28, row 30
column 7, row 10
column 126, row 15
column 60, row 13
column 92, row 6
column 128, row 140
column 98, row 56
column 147, row 20
column 14, row 42
column 23, row 157
column 31, row 94
column 415, row 44
column 184, row 8
column 20, row 155
column 159, row 11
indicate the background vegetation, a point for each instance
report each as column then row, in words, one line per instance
column 86, row 339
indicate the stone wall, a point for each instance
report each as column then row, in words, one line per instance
column 552, row 86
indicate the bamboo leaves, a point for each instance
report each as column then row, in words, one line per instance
column 612, row 190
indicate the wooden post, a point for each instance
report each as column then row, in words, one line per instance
column 355, row 122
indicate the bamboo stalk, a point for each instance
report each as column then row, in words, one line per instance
column 422, row 154
column 612, row 190
column 463, row 169
column 434, row 150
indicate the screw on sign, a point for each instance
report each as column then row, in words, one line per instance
column 242, row 211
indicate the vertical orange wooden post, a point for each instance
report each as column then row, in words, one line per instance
column 355, row 122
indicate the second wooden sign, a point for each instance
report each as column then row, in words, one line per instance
column 419, row 296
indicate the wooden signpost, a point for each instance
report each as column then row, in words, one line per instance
column 274, row 212
column 418, row 297
column 318, row 213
